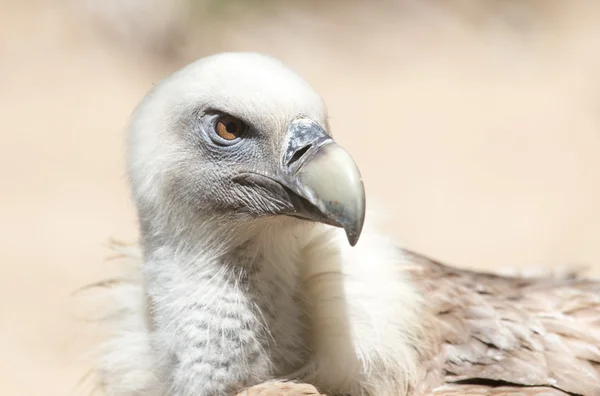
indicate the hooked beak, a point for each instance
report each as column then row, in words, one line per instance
column 326, row 184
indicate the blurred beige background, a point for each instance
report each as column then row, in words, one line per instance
column 476, row 124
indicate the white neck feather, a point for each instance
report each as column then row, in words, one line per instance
column 316, row 309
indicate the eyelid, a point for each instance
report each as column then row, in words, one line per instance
column 212, row 111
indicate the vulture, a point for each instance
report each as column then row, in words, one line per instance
column 259, row 271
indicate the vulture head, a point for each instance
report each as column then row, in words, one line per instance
column 234, row 138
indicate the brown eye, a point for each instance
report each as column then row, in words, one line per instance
column 229, row 128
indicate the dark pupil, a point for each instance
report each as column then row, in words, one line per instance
column 231, row 127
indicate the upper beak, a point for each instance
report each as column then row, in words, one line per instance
column 323, row 177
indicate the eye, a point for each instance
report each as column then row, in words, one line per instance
column 229, row 128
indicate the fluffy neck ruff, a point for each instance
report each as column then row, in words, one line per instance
column 236, row 288
column 342, row 318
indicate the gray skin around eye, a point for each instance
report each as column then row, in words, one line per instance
column 218, row 163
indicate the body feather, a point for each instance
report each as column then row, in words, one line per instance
column 483, row 334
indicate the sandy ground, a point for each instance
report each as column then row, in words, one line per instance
column 477, row 129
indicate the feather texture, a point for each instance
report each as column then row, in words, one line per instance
column 524, row 332
column 360, row 314
column 485, row 335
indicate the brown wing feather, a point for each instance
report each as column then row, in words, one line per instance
column 279, row 388
column 483, row 390
column 530, row 335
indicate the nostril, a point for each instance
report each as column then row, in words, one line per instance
column 298, row 154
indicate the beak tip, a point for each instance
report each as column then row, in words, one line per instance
column 352, row 238
column 354, row 228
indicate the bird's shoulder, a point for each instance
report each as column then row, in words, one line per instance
column 495, row 333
